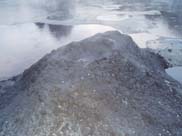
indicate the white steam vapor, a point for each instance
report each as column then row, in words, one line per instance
column 65, row 6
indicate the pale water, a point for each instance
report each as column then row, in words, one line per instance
column 176, row 73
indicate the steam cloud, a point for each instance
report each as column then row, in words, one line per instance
column 62, row 6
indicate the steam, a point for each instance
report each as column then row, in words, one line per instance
column 51, row 7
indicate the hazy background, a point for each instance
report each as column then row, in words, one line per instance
column 22, row 43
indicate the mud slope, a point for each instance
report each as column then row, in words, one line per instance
column 102, row 86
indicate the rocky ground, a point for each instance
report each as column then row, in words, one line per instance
column 101, row 86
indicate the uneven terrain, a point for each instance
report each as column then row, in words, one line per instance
column 104, row 85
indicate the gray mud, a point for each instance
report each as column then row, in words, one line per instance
column 103, row 86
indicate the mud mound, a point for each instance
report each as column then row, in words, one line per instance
column 101, row 86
